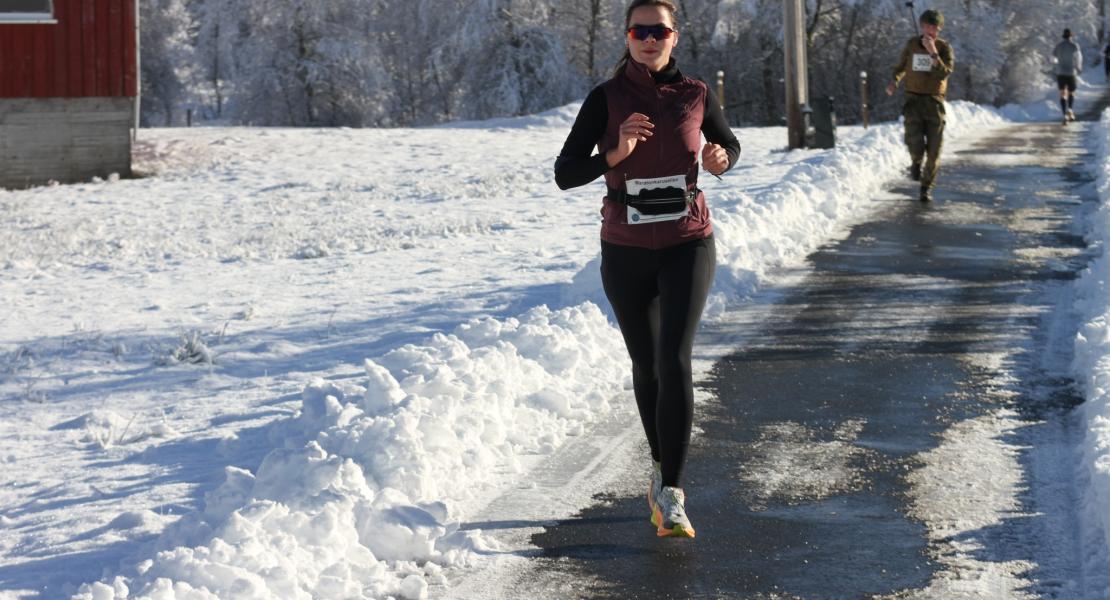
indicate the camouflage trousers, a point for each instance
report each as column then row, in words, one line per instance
column 924, row 117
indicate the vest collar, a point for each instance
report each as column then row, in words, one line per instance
column 640, row 75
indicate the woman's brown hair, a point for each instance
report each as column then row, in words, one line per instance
column 667, row 4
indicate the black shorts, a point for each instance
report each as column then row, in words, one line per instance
column 1066, row 82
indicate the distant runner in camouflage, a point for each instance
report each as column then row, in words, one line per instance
column 925, row 65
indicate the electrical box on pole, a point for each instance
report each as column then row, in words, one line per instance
column 797, row 86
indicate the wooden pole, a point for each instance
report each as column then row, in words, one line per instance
column 797, row 88
column 1102, row 23
column 863, row 98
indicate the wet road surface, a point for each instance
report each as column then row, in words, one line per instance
column 799, row 479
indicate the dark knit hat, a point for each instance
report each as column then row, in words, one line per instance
column 1067, row 33
column 933, row 17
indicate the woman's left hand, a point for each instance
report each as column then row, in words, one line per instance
column 714, row 159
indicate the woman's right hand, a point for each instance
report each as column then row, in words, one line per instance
column 636, row 128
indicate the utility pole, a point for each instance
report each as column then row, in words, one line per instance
column 864, row 101
column 797, row 86
column 913, row 17
column 1102, row 23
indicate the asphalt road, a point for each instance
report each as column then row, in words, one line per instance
column 798, row 480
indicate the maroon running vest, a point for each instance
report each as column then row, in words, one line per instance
column 677, row 110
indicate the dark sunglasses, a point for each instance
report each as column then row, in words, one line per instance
column 642, row 32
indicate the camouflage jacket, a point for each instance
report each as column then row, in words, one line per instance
column 922, row 75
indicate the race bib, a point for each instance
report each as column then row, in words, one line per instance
column 922, row 62
column 656, row 199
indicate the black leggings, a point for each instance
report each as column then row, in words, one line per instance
column 658, row 296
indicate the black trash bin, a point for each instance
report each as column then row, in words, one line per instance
column 823, row 120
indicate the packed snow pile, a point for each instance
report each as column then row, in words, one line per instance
column 356, row 502
column 1092, row 371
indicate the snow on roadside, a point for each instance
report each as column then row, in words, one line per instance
column 359, row 496
column 1092, row 370
column 352, row 505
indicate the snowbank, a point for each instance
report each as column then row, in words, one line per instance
column 358, row 500
column 356, row 504
column 1092, row 371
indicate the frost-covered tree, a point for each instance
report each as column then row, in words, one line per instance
column 167, row 59
column 591, row 31
column 847, row 38
column 1029, row 39
column 695, row 22
column 976, row 30
column 423, row 82
column 747, row 39
column 401, row 62
column 310, row 63
column 511, row 62
column 1004, row 47
column 218, row 32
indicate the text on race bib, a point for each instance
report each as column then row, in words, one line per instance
column 922, row 62
column 677, row 182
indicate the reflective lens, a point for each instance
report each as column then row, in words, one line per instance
column 642, row 32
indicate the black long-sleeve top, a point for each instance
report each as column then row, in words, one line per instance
column 577, row 165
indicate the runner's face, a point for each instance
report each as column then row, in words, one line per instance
column 930, row 30
column 652, row 53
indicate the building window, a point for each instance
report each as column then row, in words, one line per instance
column 27, row 11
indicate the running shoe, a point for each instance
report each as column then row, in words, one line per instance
column 926, row 195
column 670, row 514
column 1071, row 115
column 915, row 171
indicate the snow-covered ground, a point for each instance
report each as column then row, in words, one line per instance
column 287, row 363
column 1092, row 371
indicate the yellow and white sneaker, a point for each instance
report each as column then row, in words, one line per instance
column 669, row 515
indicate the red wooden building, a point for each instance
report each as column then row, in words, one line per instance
column 68, row 82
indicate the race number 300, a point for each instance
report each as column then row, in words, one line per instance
column 922, row 62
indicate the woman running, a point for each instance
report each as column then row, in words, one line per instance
column 657, row 252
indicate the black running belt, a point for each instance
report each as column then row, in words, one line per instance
column 656, row 201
